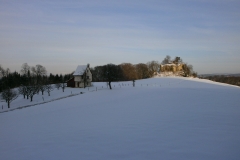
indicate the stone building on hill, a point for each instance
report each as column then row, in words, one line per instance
column 171, row 67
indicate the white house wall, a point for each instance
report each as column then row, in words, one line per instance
column 77, row 78
column 79, row 84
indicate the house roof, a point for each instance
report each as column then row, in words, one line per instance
column 80, row 70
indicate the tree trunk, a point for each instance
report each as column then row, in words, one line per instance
column 109, row 83
column 48, row 93
column 8, row 104
column 31, row 98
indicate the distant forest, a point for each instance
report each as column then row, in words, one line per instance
column 27, row 75
column 229, row 79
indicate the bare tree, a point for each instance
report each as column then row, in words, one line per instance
column 63, row 85
column 42, row 88
column 153, row 67
column 187, row 69
column 142, row 71
column 7, row 72
column 58, row 85
column 9, row 95
column 111, row 73
column 49, row 88
column 22, row 90
column 41, row 85
column 25, row 69
column 26, row 76
column 2, row 71
column 33, row 89
column 39, row 71
column 28, row 91
column 129, row 71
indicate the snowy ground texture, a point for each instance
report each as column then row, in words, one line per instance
column 160, row 118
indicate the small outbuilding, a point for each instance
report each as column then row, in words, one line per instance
column 70, row 82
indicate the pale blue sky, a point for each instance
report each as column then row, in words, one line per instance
column 62, row 34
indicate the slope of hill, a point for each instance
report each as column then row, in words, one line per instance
column 160, row 118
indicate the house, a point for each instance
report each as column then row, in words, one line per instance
column 82, row 77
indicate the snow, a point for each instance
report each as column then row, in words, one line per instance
column 80, row 70
column 160, row 118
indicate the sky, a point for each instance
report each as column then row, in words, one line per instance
column 60, row 35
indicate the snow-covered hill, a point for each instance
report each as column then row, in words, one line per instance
column 160, row 118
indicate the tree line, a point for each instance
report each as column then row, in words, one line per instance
column 233, row 80
column 129, row 72
column 30, row 81
column 33, row 80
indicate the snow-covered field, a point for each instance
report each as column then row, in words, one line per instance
column 160, row 118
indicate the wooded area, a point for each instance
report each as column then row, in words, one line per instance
column 234, row 80
column 31, row 81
